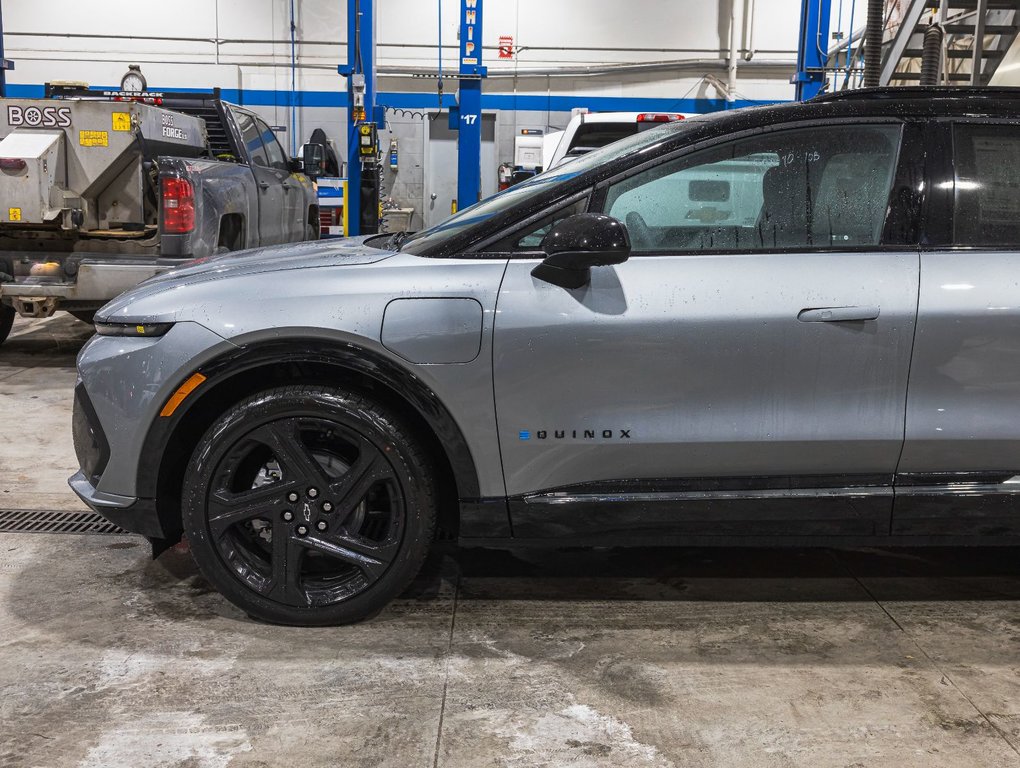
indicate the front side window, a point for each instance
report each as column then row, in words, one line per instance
column 530, row 237
column 987, row 185
column 825, row 187
column 277, row 157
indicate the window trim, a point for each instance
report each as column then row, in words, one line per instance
column 602, row 188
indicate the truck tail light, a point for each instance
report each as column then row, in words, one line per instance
column 178, row 206
column 15, row 164
column 659, row 117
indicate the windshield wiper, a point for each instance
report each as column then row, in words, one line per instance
column 396, row 240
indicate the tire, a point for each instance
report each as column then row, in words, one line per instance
column 280, row 464
column 7, row 315
column 85, row 315
column 312, row 231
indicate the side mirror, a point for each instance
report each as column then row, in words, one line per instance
column 313, row 158
column 578, row 243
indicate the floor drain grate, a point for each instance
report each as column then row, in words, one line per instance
column 54, row 521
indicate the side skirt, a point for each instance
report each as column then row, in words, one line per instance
column 758, row 507
column 985, row 504
column 943, row 509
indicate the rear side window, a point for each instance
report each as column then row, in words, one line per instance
column 252, row 140
column 987, row 188
column 591, row 136
column 825, row 187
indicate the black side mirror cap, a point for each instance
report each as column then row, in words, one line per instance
column 313, row 160
column 579, row 242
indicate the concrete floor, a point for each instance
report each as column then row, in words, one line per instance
column 679, row 657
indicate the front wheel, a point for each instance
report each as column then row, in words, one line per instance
column 309, row 506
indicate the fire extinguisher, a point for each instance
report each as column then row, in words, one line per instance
column 506, row 173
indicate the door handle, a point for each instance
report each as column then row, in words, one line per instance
column 286, row 187
column 263, row 186
column 838, row 314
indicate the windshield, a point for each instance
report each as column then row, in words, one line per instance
column 539, row 185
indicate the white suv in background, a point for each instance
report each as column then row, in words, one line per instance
column 594, row 130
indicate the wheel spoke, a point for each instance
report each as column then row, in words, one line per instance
column 287, row 556
column 370, row 558
column 284, row 439
column 355, row 484
column 227, row 509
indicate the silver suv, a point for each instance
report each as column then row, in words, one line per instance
column 795, row 324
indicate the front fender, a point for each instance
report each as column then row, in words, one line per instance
column 341, row 355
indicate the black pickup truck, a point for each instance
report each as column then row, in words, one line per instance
column 102, row 190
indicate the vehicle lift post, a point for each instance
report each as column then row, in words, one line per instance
column 466, row 116
column 363, row 119
column 812, row 48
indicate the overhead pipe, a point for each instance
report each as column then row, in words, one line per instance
column 731, row 64
column 293, row 84
column 873, row 44
column 749, row 31
column 931, row 55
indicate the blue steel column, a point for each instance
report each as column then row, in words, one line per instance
column 469, row 143
column 812, row 50
column 360, row 39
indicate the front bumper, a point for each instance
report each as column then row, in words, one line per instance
column 131, row 514
column 124, row 383
column 94, row 283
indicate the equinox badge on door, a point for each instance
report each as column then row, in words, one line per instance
column 576, row 434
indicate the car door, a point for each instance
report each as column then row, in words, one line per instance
column 960, row 471
column 272, row 225
column 294, row 212
column 752, row 352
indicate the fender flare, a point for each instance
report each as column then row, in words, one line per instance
column 342, row 355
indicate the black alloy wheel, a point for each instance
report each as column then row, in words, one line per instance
column 308, row 505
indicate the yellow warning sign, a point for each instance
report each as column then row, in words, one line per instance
column 14, row 214
column 94, row 138
column 122, row 121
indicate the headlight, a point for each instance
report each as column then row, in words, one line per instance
column 133, row 329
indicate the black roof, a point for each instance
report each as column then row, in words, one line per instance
column 940, row 92
column 898, row 102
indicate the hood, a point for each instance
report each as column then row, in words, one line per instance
column 306, row 255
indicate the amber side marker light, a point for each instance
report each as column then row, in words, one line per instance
column 189, row 386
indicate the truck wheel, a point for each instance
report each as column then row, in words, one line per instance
column 309, row 506
column 312, row 231
column 85, row 315
column 7, row 315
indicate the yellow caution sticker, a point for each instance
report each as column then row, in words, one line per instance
column 14, row 214
column 122, row 121
column 94, row 138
